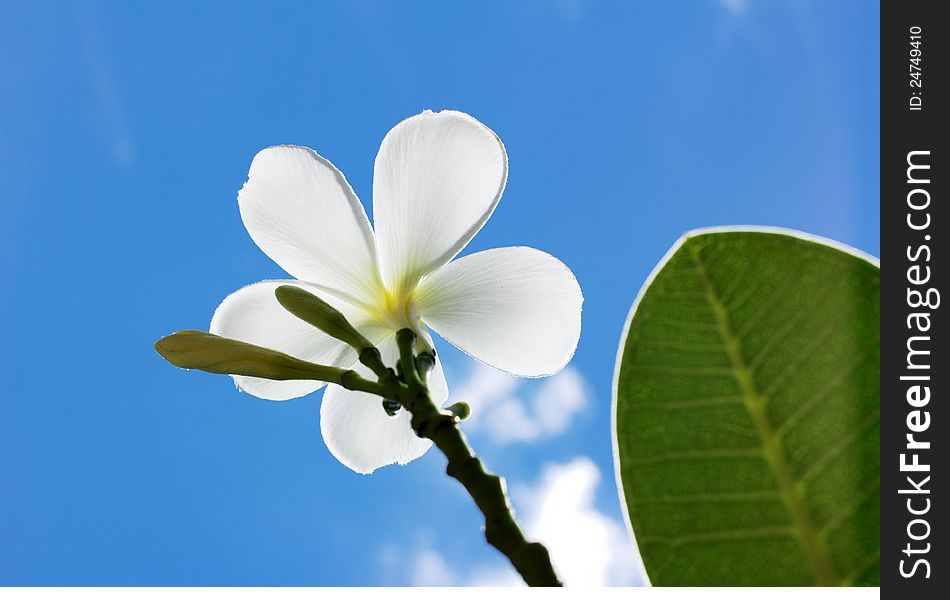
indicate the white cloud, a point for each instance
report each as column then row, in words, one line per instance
column 104, row 85
column 571, row 11
column 496, row 577
column 430, row 569
column 500, row 411
column 588, row 548
column 558, row 399
column 735, row 6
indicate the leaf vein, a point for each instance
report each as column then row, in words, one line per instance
column 694, row 403
column 832, row 384
column 712, row 498
column 775, row 453
column 851, row 508
column 777, row 294
column 838, row 448
column 699, row 455
column 719, row 536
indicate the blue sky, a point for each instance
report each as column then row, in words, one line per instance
column 126, row 130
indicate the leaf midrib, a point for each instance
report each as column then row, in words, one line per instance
column 774, row 452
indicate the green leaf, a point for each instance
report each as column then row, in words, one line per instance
column 215, row 354
column 747, row 408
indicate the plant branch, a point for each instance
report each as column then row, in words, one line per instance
column 409, row 390
column 531, row 559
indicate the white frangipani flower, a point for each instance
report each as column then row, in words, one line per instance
column 437, row 179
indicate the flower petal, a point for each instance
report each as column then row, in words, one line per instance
column 515, row 309
column 438, row 177
column 360, row 434
column 302, row 213
column 252, row 314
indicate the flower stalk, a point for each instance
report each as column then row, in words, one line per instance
column 530, row 559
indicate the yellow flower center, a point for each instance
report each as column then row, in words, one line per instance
column 396, row 311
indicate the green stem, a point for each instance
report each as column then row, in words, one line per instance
column 352, row 380
column 531, row 559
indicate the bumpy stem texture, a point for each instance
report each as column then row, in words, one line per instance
column 531, row 559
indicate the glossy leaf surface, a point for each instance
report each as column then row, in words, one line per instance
column 747, row 403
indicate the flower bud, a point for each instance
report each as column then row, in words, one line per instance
column 460, row 410
column 215, row 354
column 307, row 307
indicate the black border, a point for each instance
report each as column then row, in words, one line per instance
column 904, row 130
